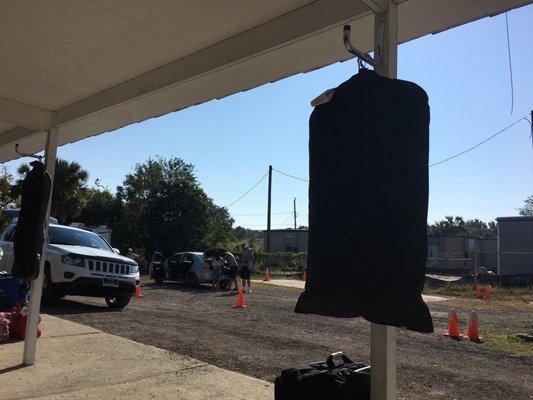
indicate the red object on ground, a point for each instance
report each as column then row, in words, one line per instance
column 304, row 275
column 17, row 325
column 240, row 299
column 138, row 291
column 473, row 330
column 266, row 276
column 4, row 327
column 477, row 291
column 487, row 293
column 453, row 327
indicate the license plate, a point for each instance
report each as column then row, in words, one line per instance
column 110, row 281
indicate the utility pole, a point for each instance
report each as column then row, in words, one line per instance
column 531, row 123
column 269, row 208
column 294, row 203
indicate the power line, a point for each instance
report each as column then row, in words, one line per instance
column 286, row 220
column 291, row 176
column 510, row 64
column 477, row 145
column 211, row 188
column 252, row 188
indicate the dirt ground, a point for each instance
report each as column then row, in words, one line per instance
column 268, row 336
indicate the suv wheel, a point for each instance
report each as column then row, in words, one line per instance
column 117, row 303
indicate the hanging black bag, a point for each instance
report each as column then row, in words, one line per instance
column 29, row 234
column 368, row 199
column 325, row 380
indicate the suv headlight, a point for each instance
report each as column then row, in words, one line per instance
column 134, row 269
column 72, row 260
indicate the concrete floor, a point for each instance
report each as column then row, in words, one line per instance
column 293, row 283
column 79, row 362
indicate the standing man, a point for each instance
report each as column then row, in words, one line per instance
column 247, row 260
column 131, row 254
column 233, row 268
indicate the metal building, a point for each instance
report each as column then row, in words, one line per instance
column 515, row 247
column 287, row 240
column 461, row 254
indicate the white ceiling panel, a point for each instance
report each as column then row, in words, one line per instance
column 101, row 64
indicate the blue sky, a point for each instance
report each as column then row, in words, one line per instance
column 232, row 141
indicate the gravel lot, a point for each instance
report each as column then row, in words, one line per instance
column 268, row 336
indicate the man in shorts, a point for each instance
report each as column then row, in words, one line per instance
column 233, row 269
column 246, row 268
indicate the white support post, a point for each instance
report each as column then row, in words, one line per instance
column 382, row 362
column 382, row 337
column 37, row 285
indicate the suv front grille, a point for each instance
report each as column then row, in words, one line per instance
column 107, row 267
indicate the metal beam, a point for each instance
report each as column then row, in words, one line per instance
column 382, row 337
column 304, row 22
column 377, row 6
column 36, row 291
column 25, row 115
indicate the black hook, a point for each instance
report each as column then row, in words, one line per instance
column 40, row 158
column 363, row 57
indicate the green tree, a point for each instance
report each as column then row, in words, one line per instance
column 247, row 234
column 220, row 227
column 7, row 198
column 477, row 228
column 68, row 197
column 101, row 208
column 527, row 208
column 448, row 226
column 165, row 209
column 458, row 226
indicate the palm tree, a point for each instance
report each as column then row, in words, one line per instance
column 68, row 197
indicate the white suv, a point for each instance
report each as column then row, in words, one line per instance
column 79, row 262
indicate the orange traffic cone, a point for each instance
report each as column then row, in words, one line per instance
column 138, row 291
column 240, row 299
column 487, row 294
column 453, row 326
column 304, row 275
column 473, row 330
column 477, row 291
column 266, row 276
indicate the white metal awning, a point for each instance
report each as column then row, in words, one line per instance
column 92, row 66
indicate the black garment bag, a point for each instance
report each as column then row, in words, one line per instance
column 28, row 239
column 368, row 199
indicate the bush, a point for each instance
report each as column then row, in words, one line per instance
column 282, row 261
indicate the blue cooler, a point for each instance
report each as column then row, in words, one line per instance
column 11, row 292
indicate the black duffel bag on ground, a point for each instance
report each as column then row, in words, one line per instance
column 326, row 380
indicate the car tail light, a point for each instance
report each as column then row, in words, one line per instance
column 206, row 266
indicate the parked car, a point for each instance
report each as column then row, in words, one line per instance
column 12, row 215
column 79, row 262
column 192, row 268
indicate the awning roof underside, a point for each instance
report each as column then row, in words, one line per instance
column 92, row 66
